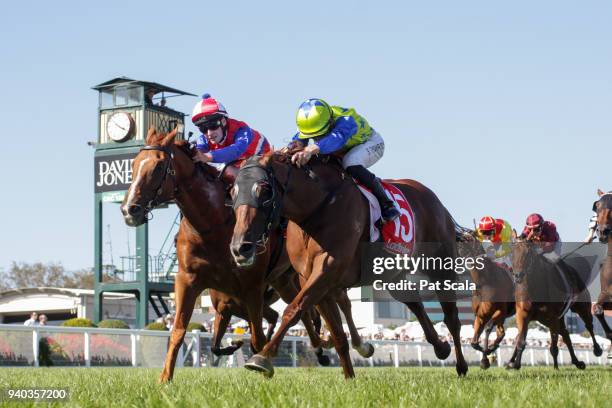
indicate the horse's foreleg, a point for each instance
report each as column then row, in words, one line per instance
column 522, row 323
column 554, row 348
column 312, row 291
column 254, row 305
column 366, row 349
column 451, row 319
column 185, row 293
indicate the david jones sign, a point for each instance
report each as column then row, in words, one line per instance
column 113, row 173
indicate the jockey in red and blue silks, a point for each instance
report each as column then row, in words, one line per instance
column 224, row 140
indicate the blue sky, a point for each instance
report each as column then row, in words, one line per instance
column 501, row 109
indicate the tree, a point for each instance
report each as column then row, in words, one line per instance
column 24, row 275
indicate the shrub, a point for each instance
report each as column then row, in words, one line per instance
column 195, row 326
column 78, row 322
column 113, row 324
column 156, row 326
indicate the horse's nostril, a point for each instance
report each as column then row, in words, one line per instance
column 245, row 249
column 134, row 210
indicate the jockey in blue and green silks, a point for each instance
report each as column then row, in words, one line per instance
column 343, row 132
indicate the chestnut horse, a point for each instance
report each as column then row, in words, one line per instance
column 604, row 229
column 163, row 171
column 493, row 299
column 330, row 221
column 539, row 296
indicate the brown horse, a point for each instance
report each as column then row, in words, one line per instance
column 539, row 296
column 163, row 171
column 493, row 299
column 330, row 220
column 604, row 229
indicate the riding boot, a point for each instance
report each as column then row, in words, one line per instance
column 371, row 182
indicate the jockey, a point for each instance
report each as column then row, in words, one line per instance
column 224, row 140
column 343, row 132
column 545, row 233
column 497, row 233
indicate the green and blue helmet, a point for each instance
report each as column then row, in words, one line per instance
column 314, row 118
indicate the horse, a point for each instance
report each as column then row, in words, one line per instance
column 492, row 301
column 329, row 222
column 539, row 295
column 603, row 207
column 164, row 171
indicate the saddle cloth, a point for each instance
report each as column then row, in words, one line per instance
column 399, row 235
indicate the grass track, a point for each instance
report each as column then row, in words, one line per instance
column 316, row 387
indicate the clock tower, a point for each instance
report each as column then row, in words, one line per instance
column 126, row 110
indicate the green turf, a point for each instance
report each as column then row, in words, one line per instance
column 317, row 387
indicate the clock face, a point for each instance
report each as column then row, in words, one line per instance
column 119, row 126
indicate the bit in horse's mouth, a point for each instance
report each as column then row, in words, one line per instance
column 243, row 262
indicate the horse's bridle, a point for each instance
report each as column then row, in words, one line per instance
column 278, row 192
column 168, row 171
column 270, row 206
column 518, row 277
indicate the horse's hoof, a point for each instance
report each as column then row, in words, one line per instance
column 476, row 346
column 366, row 350
column 443, row 351
column 580, row 365
column 260, row 364
column 462, row 369
column 597, row 350
column 324, row 360
column 485, row 363
column 512, row 366
column 237, row 343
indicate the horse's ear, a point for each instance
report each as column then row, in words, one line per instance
column 150, row 135
column 266, row 159
column 599, row 192
column 169, row 138
column 514, row 234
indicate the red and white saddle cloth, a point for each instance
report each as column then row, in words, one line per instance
column 399, row 235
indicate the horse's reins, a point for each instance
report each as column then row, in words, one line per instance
column 169, row 171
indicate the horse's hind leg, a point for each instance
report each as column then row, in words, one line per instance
column 451, row 319
column 484, row 362
column 186, row 292
column 583, row 309
column 222, row 319
column 441, row 348
column 271, row 317
column 568, row 342
column 365, row 350
column 329, row 310
column 479, row 326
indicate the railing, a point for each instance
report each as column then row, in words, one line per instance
column 67, row 346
